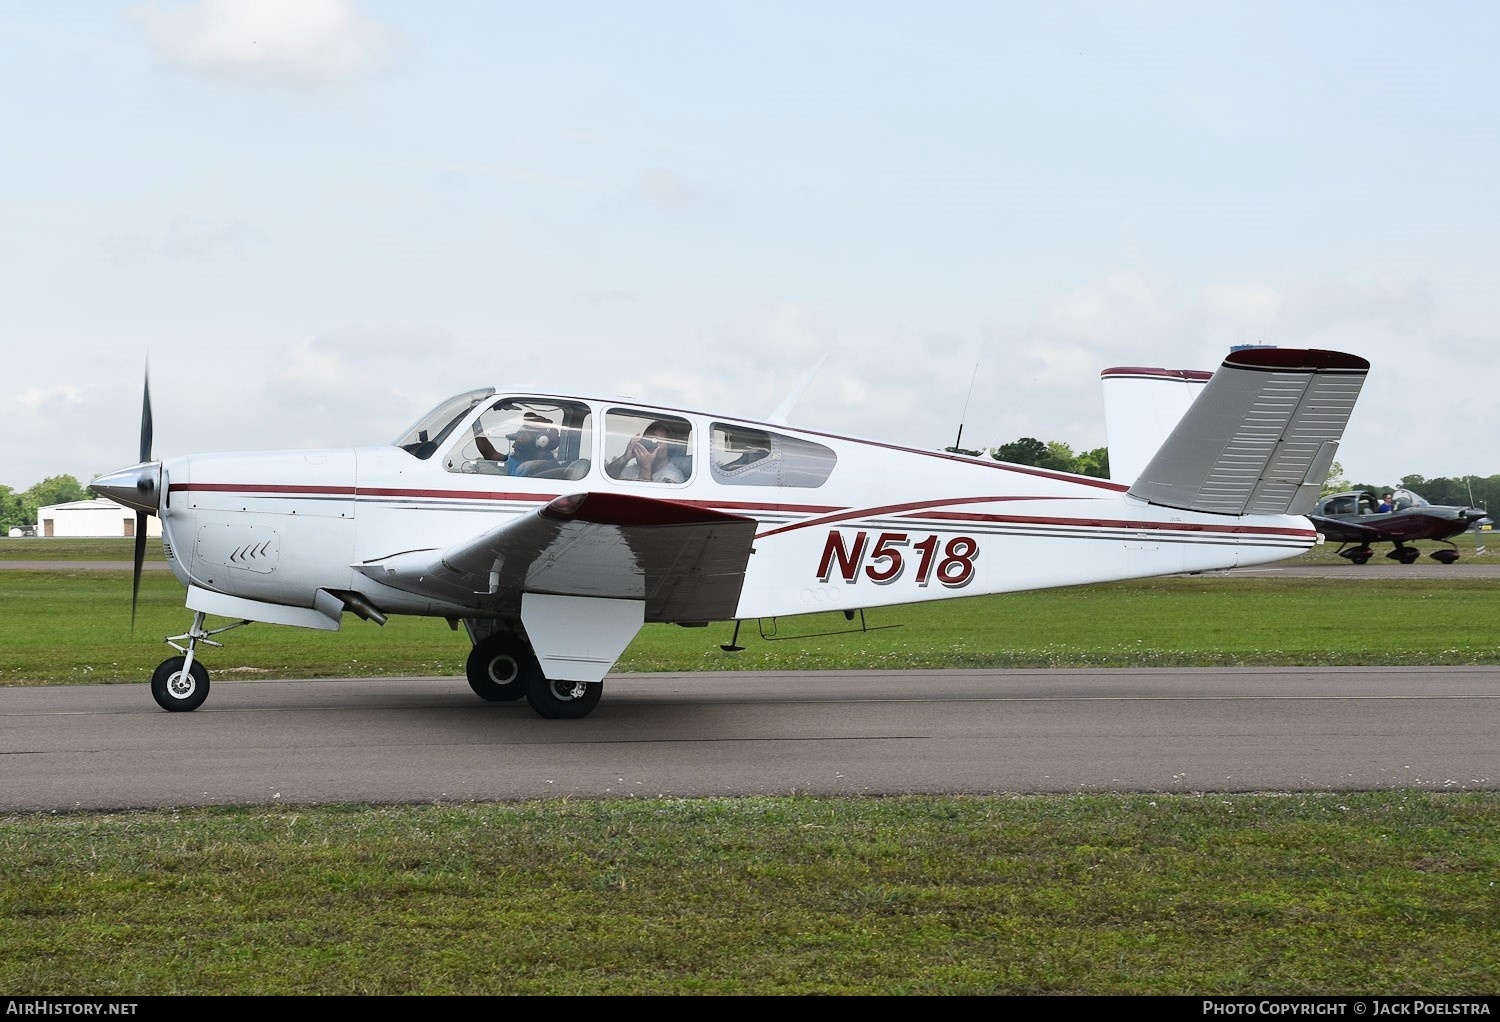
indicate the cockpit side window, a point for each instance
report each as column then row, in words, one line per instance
column 433, row 428
column 543, row 438
column 745, row 456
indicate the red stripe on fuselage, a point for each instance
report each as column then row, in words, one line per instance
column 826, row 514
column 845, row 514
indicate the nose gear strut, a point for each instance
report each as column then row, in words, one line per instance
column 180, row 682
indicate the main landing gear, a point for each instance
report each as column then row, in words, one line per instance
column 1401, row 552
column 1358, row 554
column 1404, row 554
column 503, row 668
column 499, row 666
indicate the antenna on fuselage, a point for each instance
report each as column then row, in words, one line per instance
column 958, row 440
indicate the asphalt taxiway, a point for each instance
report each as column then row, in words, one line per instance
column 429, row 740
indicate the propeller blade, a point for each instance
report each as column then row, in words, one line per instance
column 146, row 420
column 140, row 516
column 140, row 561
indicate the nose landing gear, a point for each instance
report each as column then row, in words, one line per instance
column 180, row 683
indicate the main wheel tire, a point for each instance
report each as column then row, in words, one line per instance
column 498, row 668
column 563, row 700
column 177, row 690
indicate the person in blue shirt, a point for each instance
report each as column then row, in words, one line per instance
column 532, row 446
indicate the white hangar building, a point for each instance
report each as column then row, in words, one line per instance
column 92, row 519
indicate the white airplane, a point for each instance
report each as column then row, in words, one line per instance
column 553, row 526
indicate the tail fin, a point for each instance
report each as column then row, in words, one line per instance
column 1261, row 436
column 1141, row 408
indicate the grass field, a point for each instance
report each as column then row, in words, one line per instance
column 1203, row 620
column 1354, row 893
column 1170, row 895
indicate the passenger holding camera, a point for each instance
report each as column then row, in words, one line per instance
column 649, row 457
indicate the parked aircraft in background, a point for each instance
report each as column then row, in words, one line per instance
column 606, row 513
column 1354, row 521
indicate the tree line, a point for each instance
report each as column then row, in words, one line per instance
column 19, row 509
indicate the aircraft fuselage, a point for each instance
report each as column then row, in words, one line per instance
column 861, row 524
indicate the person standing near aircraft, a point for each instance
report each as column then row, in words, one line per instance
column 648, row 457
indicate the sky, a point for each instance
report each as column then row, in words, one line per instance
column 312, row 220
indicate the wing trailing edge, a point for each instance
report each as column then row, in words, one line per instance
column 1261, row 436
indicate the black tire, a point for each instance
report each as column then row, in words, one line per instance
column 1360, row 560
column 498, row 668
column 178, row 692
column 563, row 700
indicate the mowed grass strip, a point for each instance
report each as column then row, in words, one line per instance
column 1315, row 894
column 71, row 624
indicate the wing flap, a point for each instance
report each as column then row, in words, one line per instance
column 1261, row 437
column 684, row 562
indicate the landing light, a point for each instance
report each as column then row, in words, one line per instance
column 566, row 506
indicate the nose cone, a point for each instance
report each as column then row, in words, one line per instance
column 137, row 487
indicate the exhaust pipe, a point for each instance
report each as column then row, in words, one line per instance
column 362, row 607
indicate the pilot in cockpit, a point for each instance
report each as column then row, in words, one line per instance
column 533, row 446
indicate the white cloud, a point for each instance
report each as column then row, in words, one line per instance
column 304, row 39
column 777, row 333
column 186, row 240
column 364, row 342
column 1120, row 311
column 1388, row 300
column 663, row 189
column 1248, row 305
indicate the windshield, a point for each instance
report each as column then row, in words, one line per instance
column 433, row 428
column 1408, row 498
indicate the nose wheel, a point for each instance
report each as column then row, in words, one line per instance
column 180, row 683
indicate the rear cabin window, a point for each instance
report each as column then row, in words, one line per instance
column 642, row 446
column 544, row 439
column 743, row 456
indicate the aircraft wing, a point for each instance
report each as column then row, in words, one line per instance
column 1344, row 531
column 685, row 562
